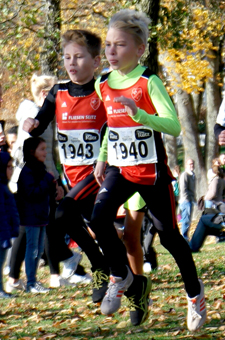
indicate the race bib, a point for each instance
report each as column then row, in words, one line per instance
column 78, row 147
column 131, row 146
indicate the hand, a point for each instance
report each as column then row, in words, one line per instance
column 221, row 138
column 129, row 104
column 99, row 172
column 2, row 140
column 59, row 192
column 30, row 124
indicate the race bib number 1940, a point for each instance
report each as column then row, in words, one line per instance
column 131, row 146
column 79, row 147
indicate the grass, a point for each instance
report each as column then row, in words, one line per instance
column 68, row 313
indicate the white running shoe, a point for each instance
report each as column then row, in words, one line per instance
column 70, row 265
column 37, row 288
column 147, row 268
column 196, row 310
column 117, row 286
column 9, row 287
column 58, row 281
column 6, row 270
column 75, row 278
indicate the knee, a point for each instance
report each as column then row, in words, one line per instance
column 65, row 207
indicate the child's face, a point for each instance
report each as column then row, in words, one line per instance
column 11, row 139
column 41, row 152
column 79, row 63
column 122, row 51
column 9, row 169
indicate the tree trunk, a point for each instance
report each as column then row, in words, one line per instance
column 190, row 139
column 51, row 48
column 213, row 100
column 170, row 143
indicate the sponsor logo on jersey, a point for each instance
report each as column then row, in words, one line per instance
column 90, row 137
column 95, row 103
column 107, row 98
column 109, row 110
column 64, row 115
column 64, row 104
column 143, row 134
column 113, row 135
column 62, row 138
column 136, row 93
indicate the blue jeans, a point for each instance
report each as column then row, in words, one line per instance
column 35, row 239
column 186, row 211
column 3, row 253
column 204, row 228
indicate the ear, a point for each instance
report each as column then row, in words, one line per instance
column 44, row 93
column 97, row 61
column 140, row 50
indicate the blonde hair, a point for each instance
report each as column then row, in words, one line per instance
column 83, row 38
column 39, row 83
column 133, row 22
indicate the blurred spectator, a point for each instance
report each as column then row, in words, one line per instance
column 11, row 137
column 9, row 222
column 187, row 196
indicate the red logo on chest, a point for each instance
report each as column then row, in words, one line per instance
column 95, row 103
column 136, row 93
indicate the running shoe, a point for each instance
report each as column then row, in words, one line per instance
column 6, row 270
column 196, row 310
column 58, row 281
column 70, row 265
column 9, row 287
column 37, row 288
column 117, row 286
column 100, row 280
column 83, row 279
column 4, row 295
column 138, row 299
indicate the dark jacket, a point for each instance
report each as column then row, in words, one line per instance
column 35, row 186
column 9, row 217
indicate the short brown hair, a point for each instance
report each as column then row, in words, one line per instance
column 86, row 38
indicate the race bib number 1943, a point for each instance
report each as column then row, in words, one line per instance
column 79, row 147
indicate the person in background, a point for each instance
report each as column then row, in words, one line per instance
column 35, row 187
column 209, row 224
column 219, row 128
column 40, row 86
column 2, row 124
column 187, row 196
column 210, row 173
column 11, row 137
column 216, row 188
column 9, row 217
column 3, row 144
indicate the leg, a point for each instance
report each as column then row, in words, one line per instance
column 41, row 245
column 172, row 240
column 114, row 191
column 204, row 228
column 18, row 254
column 132, row 240
column 170, row 237
column 148, row 235
column 3, row 253
column 72, row 211
column 186, row 210
column 32, row 236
